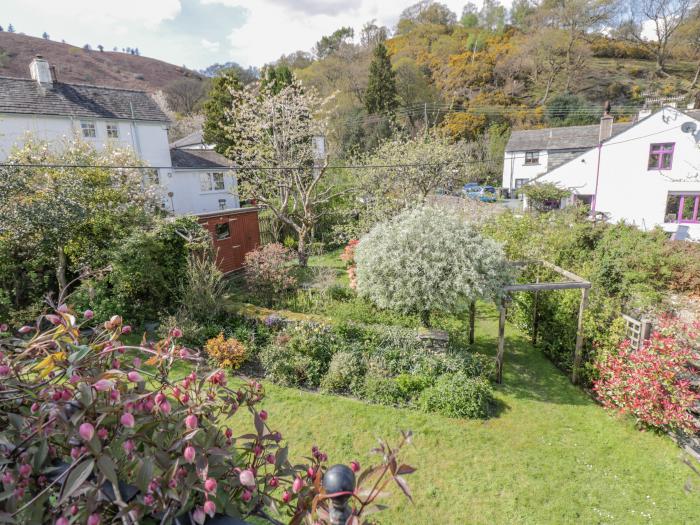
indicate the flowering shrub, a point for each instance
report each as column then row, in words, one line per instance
column 94, row 431
column 227, row 353
column 652, row 383
column 268, row 272
column 348, row 256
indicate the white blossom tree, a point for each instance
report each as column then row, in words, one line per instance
column 275, row 150
column 428, row 259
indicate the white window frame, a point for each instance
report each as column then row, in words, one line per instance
column 88, row 129
column 113, row 131
column 222, row 204
column 532, row 158
column 212, row 182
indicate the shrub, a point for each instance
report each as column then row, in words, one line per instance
column 345, row 374
column 652, row 384
column 268, row 272
column 383, row 391
column 411, row 385
column 544, row 196
column 426, row 260
column 458, row 395
column 227, row 353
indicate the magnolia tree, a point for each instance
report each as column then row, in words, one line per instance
column 275, row 151
column 428, row 260
column 95, row 431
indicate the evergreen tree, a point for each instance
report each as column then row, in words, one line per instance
column 1, row 29
column 10, row 28
column 100, row 47
column 276, row 78
column 45, row 36
column 381, row 86
column 219, row 100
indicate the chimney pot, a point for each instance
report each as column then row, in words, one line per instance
column 606, row 124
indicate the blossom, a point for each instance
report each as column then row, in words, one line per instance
column 189, row 454
column 102, row 433
column 25, row 329
column 5, row 370
column 134, row 377
column 355, row 466
column 246, row 496
column 191, row 422
column 176, row 332
column 54, row 319
column 126, row 330
column 286, row 496
column 210, row 485
column 93, row 519
column 4, row 327
column 247, row 478
column 127, row 420
column 297, row 485
column 103, row 385
column 263, row 415
column 209, row 508
column 86, row 431
column 199, row 515
column 88, row 314
column 62, row 521
column 128, row 446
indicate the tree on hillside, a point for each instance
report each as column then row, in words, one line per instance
column 689, row 34
column 217, row 108
column 520, row 14
column 244, row 75
column 665, row 17
column 330, row 44
column 45, row 35
column 1, row 29
column 185, row 95
column 101, row 48
column 470, row 15
column 380, row 95
column 276, row 131
column 180, row 125
column 425, row 12
column 492, row 16
column 10, row 28
column 372, row 34
column 276, row 77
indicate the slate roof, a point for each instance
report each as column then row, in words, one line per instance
column 198, row 159
column 569, row 137
column 26, row 96
column 190, row 140
column 694, row 113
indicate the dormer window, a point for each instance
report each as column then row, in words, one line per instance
column 113, row 131
column 532, row 157
column 88, row 129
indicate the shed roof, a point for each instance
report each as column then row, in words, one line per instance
column 26, row 96
column 565, row 138
column 198, row 159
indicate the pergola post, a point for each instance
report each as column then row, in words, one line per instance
column 472, row 315
column 501, row 341
column 579, row 337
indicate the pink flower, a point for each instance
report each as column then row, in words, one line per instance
column 191, row 422
column 184, row 353
column 62, row 521
column 103, row 385
column 228, row 433
column 137, row 362
column 210, row 485
column 63, row 309
column 128, row 446
column 176, row 332
column 149, row 500
column 246, row 496
column 126, row 329
column 247, row 478
column 189, row 454
column 127, row 420
column 25, row 470
column 54, row 319
column 4, row 327
column 209, row 508
column 88, row 314
column 286, row 496
column 160, row 397
column 25, row 329
column 86, row 431
column 297, row 485
column 165, row 407
column 93, row 519
column 199, row 516
column 75, row 452
column 355, row 466
column 5, row 370
column 263, row 415
column 270, row 459
column 274, row 482
column 102, row 433
column 258, row 450
column 75, row 378
column 35, row 408
column 310, row 472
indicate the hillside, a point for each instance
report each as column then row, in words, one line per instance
column 74, row 64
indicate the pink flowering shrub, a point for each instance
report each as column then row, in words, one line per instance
column 653, row 383
column 95, row 431
column 268, row 272
column 348, row 256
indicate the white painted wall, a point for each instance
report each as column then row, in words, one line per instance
column 188, row 198
column 627, row 190
column 514, row 167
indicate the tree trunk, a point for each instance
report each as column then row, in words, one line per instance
column 301, row 250
column 61, row 270
column 697, row 75
column 425, row 318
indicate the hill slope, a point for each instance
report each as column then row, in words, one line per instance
column 74, row 64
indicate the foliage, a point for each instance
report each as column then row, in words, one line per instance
column 652, row 383
column 458, row 395
column 186, row 95
column 345, row 374
column 227, row 353
column 428, row 260
column 219, row 101
column 568, row 110
column 383, row 391
column 380, row 95
column 268, row 272
column 544, row 195
column 202, row 290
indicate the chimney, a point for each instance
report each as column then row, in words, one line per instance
column 606, row 124
column 41, row 72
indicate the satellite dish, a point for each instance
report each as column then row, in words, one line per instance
column 689, row 127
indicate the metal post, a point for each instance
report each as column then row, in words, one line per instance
column 501, row 342
column 339, row 480
column 579, row 337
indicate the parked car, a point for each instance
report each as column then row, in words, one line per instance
column 482, row 193
column 469, row 186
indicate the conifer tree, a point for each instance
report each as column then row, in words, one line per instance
column 381, row 87
column 10, row 28
column 220, row 99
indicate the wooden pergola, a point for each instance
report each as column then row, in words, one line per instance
column 573, row 282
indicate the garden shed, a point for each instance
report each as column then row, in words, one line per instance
column 234, row 233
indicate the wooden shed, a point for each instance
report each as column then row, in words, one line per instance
column 234, row 233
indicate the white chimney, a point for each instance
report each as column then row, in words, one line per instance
column 606, row 124
column 40, row 71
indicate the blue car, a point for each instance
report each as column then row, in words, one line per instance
column 482, row 193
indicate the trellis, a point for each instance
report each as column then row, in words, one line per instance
column 574, row 282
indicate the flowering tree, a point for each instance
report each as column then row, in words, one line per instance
column 95, row 431
column 653, row 383
column 268, row 273
column 428, row 259
column 274, row 148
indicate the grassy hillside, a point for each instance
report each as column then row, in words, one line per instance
column 74, row 64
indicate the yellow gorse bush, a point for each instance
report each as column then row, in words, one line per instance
column 228, row 353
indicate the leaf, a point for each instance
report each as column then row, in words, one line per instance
column 76, row 478
column 404, row 487
column 40, row 456
column 107, row 467
column 85, row 394
column 405, row 470
column 281, row 457
column 145, row 474
column 259, row 426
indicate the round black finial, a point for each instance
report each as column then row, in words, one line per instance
column 339, row 478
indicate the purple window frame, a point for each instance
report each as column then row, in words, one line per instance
column 694, row 219
column 661, row 152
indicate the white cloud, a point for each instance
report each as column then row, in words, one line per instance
column 210, row 46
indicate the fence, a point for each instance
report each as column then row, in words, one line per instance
column 636, row 330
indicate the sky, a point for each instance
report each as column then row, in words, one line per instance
column 198, row 33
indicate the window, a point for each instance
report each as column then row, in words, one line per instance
column 683, row 208
column 222, row 204
column 153, row 177
column 532, row 157
column 519, row 183
column 88, row 129
column 222, row 231
column 113, row 131
column 661, row 156
column 211, row 182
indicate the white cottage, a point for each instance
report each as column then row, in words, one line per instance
column 194, row 181
column 647, row 174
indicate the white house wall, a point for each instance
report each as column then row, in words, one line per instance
column 514, row 167
column 627, row 190
column 188, row 198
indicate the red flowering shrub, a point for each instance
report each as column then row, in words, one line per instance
column 348, row 256
column 653, row 383
column 94, row 431
column 268, row 272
